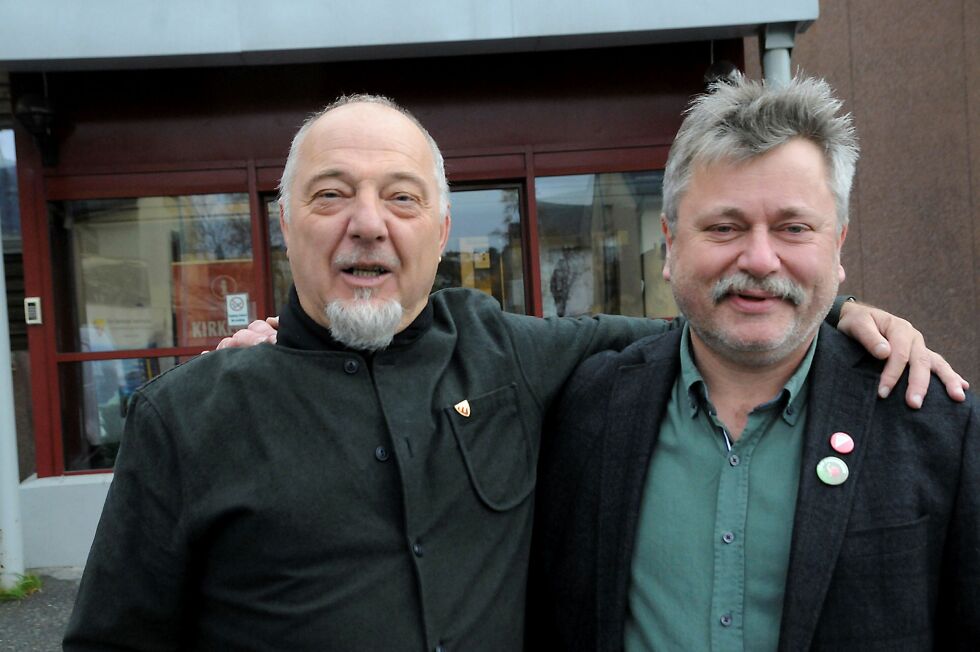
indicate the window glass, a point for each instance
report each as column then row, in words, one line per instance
column 9, row 207
column 484, row 248
column 282, row 276
column 151, row 272
column 600, row 243
column 483, row 251
column 95, row 397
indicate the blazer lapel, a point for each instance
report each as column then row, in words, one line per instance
column 841, row 398
column 636, row 408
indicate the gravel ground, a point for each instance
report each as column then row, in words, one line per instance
column 37, row 623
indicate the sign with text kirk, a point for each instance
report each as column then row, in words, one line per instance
column 201, row 299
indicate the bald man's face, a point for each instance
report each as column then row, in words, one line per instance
column 364, row 220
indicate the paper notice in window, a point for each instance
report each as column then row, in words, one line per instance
column 236, row 307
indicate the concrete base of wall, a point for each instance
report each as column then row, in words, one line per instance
column 59, row 516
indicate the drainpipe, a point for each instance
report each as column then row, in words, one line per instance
column 776, row 43
column 11, row 536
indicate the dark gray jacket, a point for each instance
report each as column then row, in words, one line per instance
column 890, row 560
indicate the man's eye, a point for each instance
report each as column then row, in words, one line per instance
column 795, row 228
column 722, row 229
column 327, row 194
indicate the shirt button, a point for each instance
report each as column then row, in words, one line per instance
column 381, row 453
column 726, row 620
column 417, row 549
column 351, row 366
column 789, row 410
column 733, row 460
column 728, row 537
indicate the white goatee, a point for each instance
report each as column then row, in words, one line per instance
column 361, row 323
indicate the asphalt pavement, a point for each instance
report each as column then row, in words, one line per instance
column 37, row 622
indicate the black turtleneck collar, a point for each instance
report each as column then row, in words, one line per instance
column 297, row 330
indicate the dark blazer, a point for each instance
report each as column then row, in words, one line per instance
column 890, row 560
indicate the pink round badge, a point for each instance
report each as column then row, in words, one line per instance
column 842, row 442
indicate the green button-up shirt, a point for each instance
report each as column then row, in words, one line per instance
column 712, row 548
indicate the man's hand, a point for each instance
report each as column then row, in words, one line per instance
column 893, row 338
column 259, row 331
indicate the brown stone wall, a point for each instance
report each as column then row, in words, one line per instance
column 909, row 71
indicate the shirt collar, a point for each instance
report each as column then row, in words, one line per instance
column 792, row 395
column 298, row 330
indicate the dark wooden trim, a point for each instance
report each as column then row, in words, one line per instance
column 127, row 354
column 532, row 253
column 37, row 282
column 554, row 163
column 147, row 184
column 260, row 247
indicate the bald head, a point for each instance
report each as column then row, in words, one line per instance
column 376, row 105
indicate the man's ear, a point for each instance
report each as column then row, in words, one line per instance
column 447, row 223
column 284, row 227
column 670, row 243
column 840, row 244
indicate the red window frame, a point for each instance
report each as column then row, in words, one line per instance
column 257, row 178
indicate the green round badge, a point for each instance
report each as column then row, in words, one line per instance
column 832, row 471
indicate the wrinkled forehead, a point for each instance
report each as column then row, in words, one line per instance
column 368, row 127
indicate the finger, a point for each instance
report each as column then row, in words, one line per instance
column 272, row 321
column 955, row 384
column 920, row 369
column 894, row 366
column 860, row 325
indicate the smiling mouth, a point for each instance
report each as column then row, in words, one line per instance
column 753, row 297
column 367, row 272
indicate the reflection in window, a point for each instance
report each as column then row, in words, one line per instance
column 9, row 206
column 601, row 247
column 149, row 272
column 484, row 248
column 95, row 399
column 282, row 276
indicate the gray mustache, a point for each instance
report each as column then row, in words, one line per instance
column 774, row 285
column 367, row 255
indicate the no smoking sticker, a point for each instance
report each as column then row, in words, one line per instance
column 236, row 307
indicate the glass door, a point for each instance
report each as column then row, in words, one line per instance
column 140, row 285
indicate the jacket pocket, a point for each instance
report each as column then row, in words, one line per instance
column 886, row 540
column 496, row 449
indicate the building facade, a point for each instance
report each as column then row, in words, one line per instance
column 148, row 227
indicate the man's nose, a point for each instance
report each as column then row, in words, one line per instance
column 367, row 221
column 759, row 256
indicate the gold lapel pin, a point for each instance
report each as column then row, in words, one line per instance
column 463, row 407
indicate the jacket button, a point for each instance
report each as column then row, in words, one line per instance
column 351, row 366
column 381, row 453
column 417, row 549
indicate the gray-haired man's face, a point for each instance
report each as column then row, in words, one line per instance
column 754, row 260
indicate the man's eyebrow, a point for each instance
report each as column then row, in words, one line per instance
column 320, row 176
column 411, row 177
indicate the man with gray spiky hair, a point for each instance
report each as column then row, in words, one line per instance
column 735, row 485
